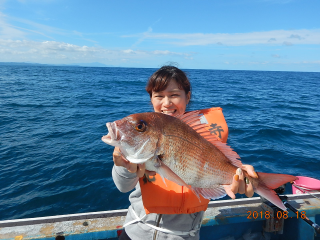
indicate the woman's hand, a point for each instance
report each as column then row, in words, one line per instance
column 139, row 169
column 240, row 184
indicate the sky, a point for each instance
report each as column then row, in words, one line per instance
column 272, row 35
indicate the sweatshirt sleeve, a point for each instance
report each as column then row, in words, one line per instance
column 123, row 179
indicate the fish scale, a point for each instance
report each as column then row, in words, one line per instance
column 182, row 150
column 196, row 159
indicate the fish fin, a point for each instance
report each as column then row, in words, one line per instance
column 274, row 180
column 165, row 172
column 270, row 195
column 193, row 119
column 211, row 193
column 232, row 156
column 269, row 181
column 163, row 179
column 190, row 117
column 195, row 193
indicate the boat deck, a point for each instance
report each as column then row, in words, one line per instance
column 226, row 219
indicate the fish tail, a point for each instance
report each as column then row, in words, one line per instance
column 270, row 181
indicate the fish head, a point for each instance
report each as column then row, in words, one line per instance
column 137, row 136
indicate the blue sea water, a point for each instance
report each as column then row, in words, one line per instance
column 52, row 119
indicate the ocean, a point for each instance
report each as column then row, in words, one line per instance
column 52, row 119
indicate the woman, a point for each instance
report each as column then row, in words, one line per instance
column 170, row 92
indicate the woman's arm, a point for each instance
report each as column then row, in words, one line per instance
column 123, row 179
column 126, row 174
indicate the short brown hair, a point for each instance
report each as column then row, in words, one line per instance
column 161, row 78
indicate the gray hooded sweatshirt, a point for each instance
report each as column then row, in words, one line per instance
column 153, row 226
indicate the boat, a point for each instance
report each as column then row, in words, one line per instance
column 244, row 218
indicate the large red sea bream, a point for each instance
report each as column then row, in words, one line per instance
column 182, row 150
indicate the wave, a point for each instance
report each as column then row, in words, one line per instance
column 52, row 119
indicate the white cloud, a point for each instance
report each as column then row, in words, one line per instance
column 8, row 31
column 296, row 36
column 275, row 37
column 286, row 43
column 10, row 28
column 60, row 52
column 143, row 36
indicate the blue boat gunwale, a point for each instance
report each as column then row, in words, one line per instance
column 123, row 212
column 219, row 213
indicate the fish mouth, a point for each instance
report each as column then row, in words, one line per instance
column 113, row 134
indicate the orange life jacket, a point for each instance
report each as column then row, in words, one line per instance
column 173, row 198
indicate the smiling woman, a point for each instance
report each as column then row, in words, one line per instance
column 169, row 90
column 175, row 212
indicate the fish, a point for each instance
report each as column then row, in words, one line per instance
column 181, row 149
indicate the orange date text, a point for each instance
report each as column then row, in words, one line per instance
column 277, row 215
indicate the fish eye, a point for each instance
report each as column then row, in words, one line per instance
column 141, row 126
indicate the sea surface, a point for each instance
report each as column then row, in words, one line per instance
column 52, row 159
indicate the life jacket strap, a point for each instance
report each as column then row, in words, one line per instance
column 179, row 233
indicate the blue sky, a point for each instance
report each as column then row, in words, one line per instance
column 275, row 35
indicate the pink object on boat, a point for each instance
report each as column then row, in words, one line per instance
column 305, row 183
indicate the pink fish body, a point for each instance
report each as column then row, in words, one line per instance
column 182, row 150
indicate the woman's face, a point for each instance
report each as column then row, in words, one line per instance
column 170, row 101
